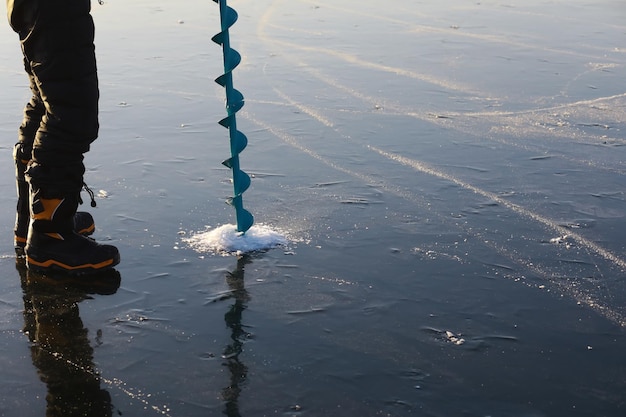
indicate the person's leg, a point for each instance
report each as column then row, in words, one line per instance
column 60, row 53
column 33, row 113
column 22, row 153
column 60, row 56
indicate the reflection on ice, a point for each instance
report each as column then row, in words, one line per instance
column 227, row 240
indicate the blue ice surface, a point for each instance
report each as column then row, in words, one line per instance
column 448, row 177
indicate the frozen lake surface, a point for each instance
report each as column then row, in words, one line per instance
column 448, row 178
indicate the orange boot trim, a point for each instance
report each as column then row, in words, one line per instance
column 55, row 236
column 87, row 230
column 49, row 206
column 51, row 262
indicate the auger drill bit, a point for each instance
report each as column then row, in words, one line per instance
column 234, row 103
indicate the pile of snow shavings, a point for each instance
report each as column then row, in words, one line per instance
column 227, row 240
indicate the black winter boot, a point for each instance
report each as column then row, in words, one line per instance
column 53, row 245
column 83, row 221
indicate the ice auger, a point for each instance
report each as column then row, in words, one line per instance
column 234, row 103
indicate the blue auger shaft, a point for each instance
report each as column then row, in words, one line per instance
column 234, row 102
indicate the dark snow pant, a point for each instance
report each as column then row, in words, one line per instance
column 61, row 119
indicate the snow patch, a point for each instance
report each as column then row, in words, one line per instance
column 227, row 240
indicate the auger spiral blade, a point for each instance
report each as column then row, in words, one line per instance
column 234, row 103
